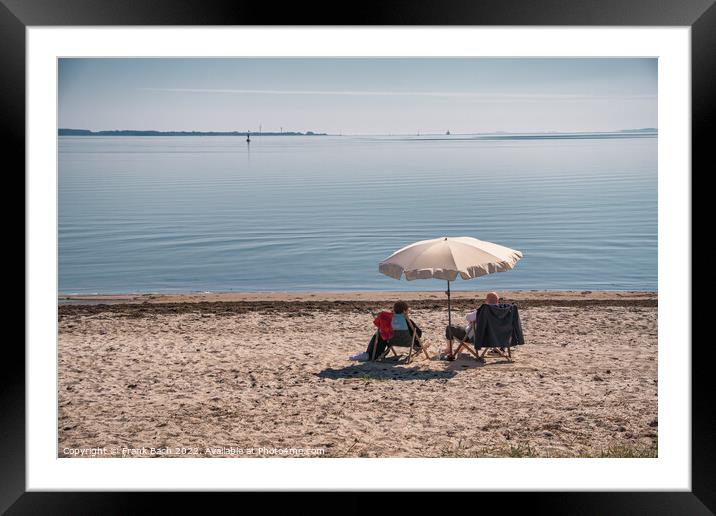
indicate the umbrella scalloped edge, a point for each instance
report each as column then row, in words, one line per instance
column 396, row 271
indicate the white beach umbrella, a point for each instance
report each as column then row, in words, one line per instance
column 446, row 258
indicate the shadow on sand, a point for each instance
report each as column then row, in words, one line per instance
column 466, row 361
column 386, row 370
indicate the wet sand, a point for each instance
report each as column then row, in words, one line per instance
column 236, row 375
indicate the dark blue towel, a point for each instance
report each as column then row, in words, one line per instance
column 498, row 326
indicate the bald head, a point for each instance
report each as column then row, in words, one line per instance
column 492, row 298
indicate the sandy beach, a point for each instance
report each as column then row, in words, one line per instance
column 262, row 374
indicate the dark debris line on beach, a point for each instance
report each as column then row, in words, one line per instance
column 303, row 308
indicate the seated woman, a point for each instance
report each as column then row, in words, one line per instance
column 390, row 325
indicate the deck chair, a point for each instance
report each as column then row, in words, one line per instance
column 514, row 339
column 404, row 338
column 468, row 346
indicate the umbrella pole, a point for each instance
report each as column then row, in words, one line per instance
column 449, row 308
column 449, row 321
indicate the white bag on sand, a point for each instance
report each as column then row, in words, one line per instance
column 361, row 357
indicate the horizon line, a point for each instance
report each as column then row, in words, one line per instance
column 478, row 96
column 316, row 133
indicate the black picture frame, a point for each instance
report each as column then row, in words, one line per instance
column 17, row 15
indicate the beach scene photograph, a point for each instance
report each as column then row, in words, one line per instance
column 357, row 257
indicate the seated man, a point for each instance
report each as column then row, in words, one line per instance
column 465, row 334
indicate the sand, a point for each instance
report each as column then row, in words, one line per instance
column 258, row 375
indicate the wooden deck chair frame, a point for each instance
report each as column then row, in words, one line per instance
column 507, row 355
column 481, row 356
column 423, row 346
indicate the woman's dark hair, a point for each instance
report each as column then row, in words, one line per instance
column 400, row 307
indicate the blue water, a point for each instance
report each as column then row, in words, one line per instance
column 168, row 214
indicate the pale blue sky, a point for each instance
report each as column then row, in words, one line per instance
column 359, row 95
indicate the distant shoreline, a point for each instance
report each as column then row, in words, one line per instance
column 556, row 297
column 623, row 133
column 134, row 132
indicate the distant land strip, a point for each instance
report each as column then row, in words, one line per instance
column 647, row 132
column 133, row 132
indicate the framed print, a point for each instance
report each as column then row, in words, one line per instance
column 419, row 249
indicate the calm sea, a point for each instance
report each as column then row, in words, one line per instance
column 292, row 213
